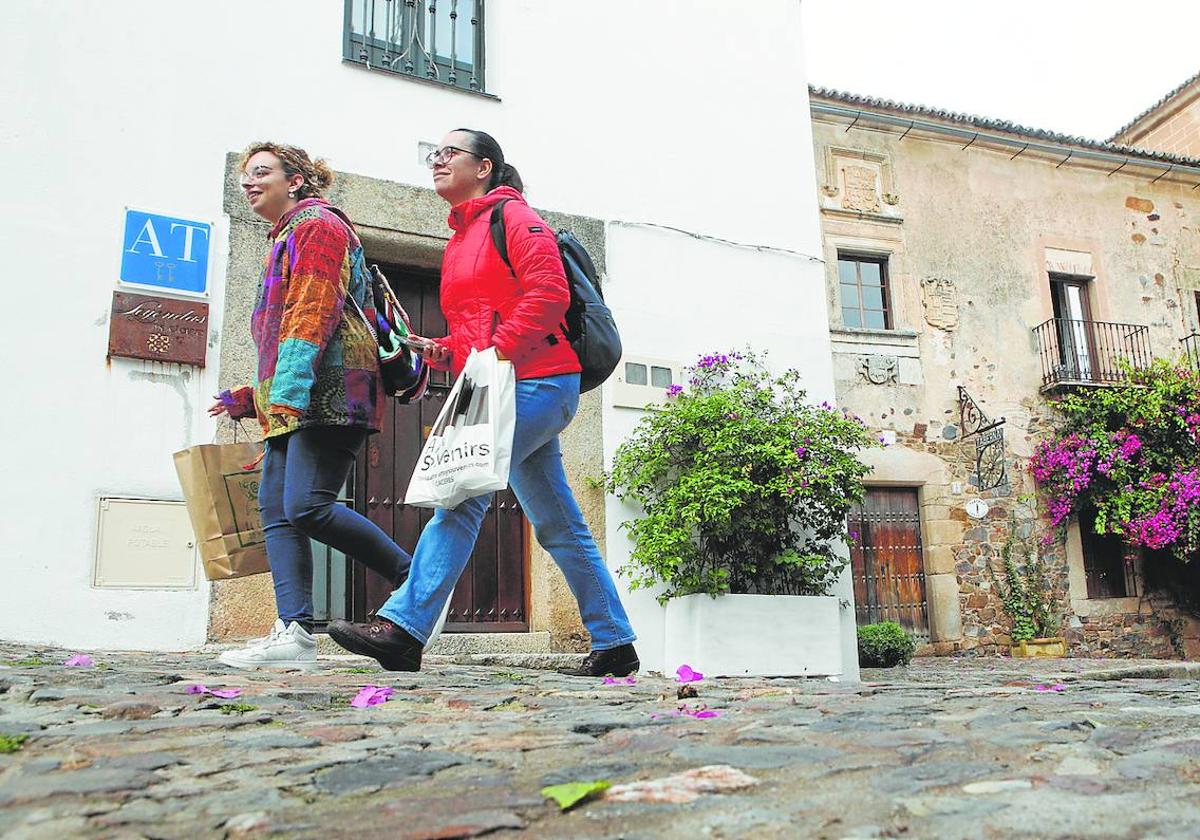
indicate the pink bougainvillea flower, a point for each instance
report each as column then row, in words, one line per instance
column 80, row 660
column 1055, row 687
column 223, row 693
column 621, row 681
column 685, row 674
column 700, row 713
column 372, row 695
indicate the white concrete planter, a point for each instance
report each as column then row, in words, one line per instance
column 754, row 635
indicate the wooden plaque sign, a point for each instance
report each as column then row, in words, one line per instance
column 157, row 328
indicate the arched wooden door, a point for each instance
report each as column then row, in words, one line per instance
column 491, row 595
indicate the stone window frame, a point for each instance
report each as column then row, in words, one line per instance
column 1077, row 592
column 1099, row 290
column 886, row 249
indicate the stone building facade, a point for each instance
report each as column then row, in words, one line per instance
column 1171, row 125
column 964, row 257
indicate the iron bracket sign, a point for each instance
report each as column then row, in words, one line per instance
column 991, row 468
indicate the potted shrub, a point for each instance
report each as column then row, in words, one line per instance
column 1030, row 603
column 884, row 645
column 744, row 488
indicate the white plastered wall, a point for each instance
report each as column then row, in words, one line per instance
column 645, row 119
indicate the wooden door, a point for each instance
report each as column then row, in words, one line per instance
column 886, row 560
column 491, row 594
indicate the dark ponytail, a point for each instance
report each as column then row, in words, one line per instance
column 503, row 174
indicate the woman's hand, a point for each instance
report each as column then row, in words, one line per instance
column 218, row 408
column 432, row 351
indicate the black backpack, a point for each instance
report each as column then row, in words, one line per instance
column 589, row 324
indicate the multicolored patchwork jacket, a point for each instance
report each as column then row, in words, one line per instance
column 317, row 363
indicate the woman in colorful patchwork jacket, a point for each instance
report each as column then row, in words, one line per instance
column 318, row 393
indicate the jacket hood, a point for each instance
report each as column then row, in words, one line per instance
column 462, row 214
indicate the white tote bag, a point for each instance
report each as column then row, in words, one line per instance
column 469, row 449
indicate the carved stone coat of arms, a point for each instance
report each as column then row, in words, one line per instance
column 940, row 297
column 879, row 370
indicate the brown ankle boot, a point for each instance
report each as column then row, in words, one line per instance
column 380, row 639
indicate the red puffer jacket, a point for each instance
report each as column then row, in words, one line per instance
column 479, row 292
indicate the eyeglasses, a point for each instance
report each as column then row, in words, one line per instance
column 256, row 174
column 445, row 155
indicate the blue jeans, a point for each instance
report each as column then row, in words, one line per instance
column 301, row 477
column 544, row 408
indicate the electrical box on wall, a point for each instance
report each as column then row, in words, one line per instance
column 144, row 544
column 640, row 381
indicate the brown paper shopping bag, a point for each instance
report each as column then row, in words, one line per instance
column 222, row 501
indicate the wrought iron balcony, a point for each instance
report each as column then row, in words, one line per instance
column 1191, row 350
column 1075, row 352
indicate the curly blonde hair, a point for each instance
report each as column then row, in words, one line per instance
column 317, row 174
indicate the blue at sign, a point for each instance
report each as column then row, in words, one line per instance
column 165, row 252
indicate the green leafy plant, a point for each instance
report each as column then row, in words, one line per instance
column 884, row 645
column 12, row 743
column 1026, row 593
column 744, row 485
column 236, row 708
column 506, row 677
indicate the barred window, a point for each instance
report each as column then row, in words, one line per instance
column 437, row 40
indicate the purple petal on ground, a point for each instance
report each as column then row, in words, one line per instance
column 705, row 713
column 226, row 693
column 621, row 681
column 80, row 660
column 371, row 695
column 686, row 674
column 196, row 688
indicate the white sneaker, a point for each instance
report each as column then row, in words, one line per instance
column 286, row 649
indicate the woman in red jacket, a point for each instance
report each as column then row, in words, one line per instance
column 519, row 312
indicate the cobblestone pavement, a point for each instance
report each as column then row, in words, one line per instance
column 944, row 748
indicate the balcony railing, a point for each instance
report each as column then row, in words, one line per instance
column 1090, row 352
column 1191, row 350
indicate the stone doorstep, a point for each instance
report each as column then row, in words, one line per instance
column 1164, row 671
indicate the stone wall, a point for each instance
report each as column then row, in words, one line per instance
column 1174, row 127
column 971, row 236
